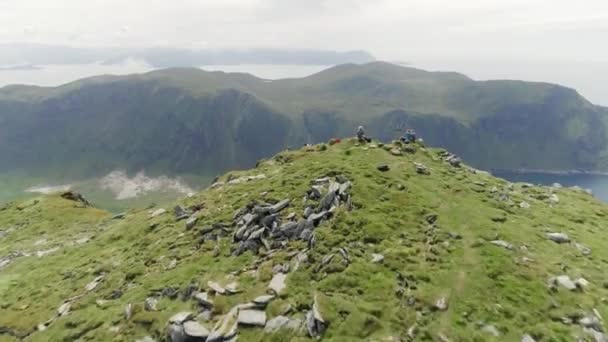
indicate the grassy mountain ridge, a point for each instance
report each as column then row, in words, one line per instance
column 187, row 120
column 428, row 251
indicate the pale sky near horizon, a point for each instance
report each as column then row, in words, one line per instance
column 389, row 29
column 543, row 40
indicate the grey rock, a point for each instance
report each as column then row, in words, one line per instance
column 344, row 188
column 583, row 249
column 252, row 317
column 279, row 206
column 597, row 335
column 524, row 205
column 558, row 237
column 128, row 311
column 321, row 181
column 195, row 331
column 277, row 284
column 591, row 322
column 316, row 218
column 203, row 299
column 564, row 281
column 307, row 212
column 315, row 324
column 150, row 304
column 421, row 169
column 216, row 287
column 146, row 339
column 64, row 309
column 226, row 328
column 527, row 338
column 158, row 212
column 175, row 333
column 377, row 258
column 181, row 317
column 441, row 304
column 276, row 324
column 191, row 222
column 327, row 201
column 232, row 288
column 93, row 284
column 263, row 300
column 180, row 212
column 490, row 329
column 119, row 216
column 257, row 234
column 502, row 244
column 581, row 283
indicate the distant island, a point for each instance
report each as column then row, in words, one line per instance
column 160, row 57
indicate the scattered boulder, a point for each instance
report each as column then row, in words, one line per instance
column 203, row 299
column 527, row 338
column 119, row 216
column 524, row 205
column 215, row 287
column 263, row 300
column 563, row 281
column 128, row 311
column 181, row 317
column 377, row 258
column 191, row 222
column 64, row 309
column 383, row 167
column 441, row 304
column 93, row 284
column 502, row 243
column 558, row 237
column 490, row 329
column 76, row 197
column 195, row 332
column 175, row 333
column 315, row 324
column 421, row 169
column 276, row 323
column 150, row 304
column 252, row 317
column 277, row 284
column 396, row 152
column 158, row 212
column 583, row 249
column 180, row 213
column 581, row 283
column 226, row 328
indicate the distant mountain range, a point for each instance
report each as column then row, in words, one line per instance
column 188, row 121
column 36, row 54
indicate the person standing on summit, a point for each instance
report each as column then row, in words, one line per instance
column 361, row 135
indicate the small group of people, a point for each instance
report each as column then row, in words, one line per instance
column 408, row 137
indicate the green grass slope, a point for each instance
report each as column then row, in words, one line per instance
column 435, row 232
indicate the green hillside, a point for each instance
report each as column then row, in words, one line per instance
column 188, row 121
column 399, row 243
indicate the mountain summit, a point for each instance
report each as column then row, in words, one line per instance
column 338, row 242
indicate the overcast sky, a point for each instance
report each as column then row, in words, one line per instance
column 560, row 41
column 390, row 29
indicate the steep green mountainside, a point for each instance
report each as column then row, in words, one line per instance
column 370, row 243
column 190, row 121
